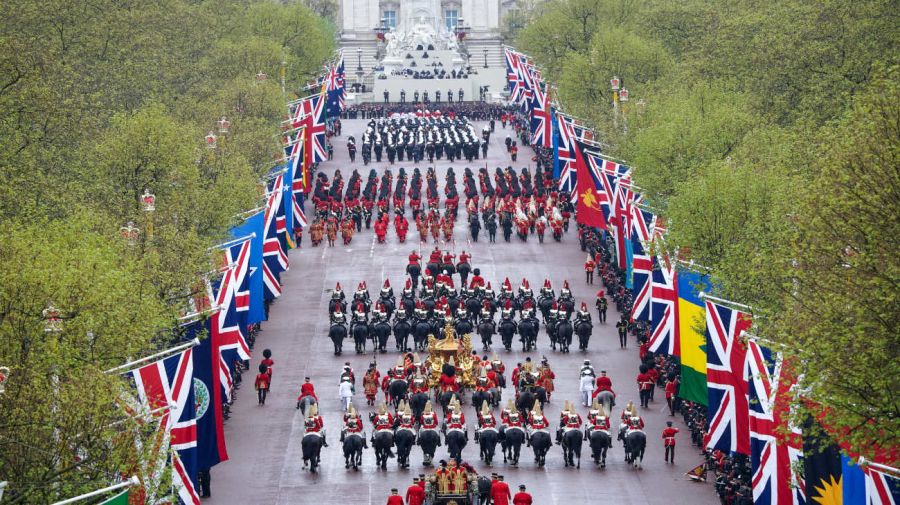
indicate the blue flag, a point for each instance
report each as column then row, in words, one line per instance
column 287, row 200
column 629, row 264
column 254, row 225
column 854, row 482
column 207, row 397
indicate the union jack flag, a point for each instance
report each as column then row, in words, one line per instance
column 728, row 414
column 334, row 86
column 540, row 118
column 274, row 257
column 642, row 224
column 773, row 454
column 232, row 302
column 310, row 115
column 528, row 82
column 512, row 75
column 664, row 308
column 567, row 173
column 881, row 488
column 165, row 388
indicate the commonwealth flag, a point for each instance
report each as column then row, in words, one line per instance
column 691, row 325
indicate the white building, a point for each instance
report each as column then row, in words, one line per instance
column 481, row 49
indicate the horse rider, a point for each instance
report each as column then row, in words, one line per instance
column 537, row 422
column 567, row 409
column 499, row 370
column 604, row 383
column 382, row 421
column 307, row 389
column 405, row 420
column 486, row 420
column 315, row 424
column 353, row 425
column 429, row 418
column 572, row 422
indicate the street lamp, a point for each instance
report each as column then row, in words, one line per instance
column 211, row 140
column 359, row 68
column 130, row 233
column 52, row 319
column 261, row 76
column 485, row 57
column 148, row 201
column 623, row 95
column 614, row 83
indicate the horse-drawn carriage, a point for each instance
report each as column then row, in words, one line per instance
column 449, row 487
column 454, row 351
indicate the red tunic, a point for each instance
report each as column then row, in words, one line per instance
column 671, row 389
column 604, row 383
column 429, row 421
column 668, row 436
column 447, row 383
column 307, row 389
column 477, row 282
column 644, row 381
column 415, row 495
column 355, row 426
column 522, row 498
column 395, row 499
column 262, row 381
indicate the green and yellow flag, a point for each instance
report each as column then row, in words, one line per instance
column 691, row 337
column 119, row 499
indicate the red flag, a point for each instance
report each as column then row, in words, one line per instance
column 587, row 209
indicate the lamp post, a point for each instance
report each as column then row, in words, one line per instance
column 359, row 69
column 261, row 76
column 485, row 57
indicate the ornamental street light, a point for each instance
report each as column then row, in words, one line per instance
column 211, row 140
column 261, row 76
column 224, row 125
column 485, row 57
column 130, row 233
column 52, row 319
column 148, row 201
column 614, row 83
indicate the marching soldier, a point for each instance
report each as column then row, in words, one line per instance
column 602, row 305
column 668, row 436
column 589, row 267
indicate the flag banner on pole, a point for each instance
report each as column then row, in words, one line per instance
column 663, row 307
column 728, row 414
column 166, row 387
column 565, row 156
column 208, row 395
column 775, row 446
column 690, row 327
column 541, row 114
column 119, row 499
column 588, row 209
column 253, row 225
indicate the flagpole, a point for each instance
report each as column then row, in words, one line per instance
column 173, row 350
column 232, row 242
column 211, row 310
column 133, row 481
column 878, row 466
column 706, row 296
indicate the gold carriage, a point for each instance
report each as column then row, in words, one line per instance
column 452, row 349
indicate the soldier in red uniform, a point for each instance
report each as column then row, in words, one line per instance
column 477, row 281
column 671, row 391
column 353, row 425
column 262, row 384
column 589, row 267
column 315, row 424
column 382, row 420
column 402, row 227
column 381, row 230
column 429, row 418
column 448, row 383
column 546, row 377
column 537, row 422
column 604, row 383
column 307, row 389
column 668, row 436
column 395, row 498
column 522, row 497
column 644, row 382
column 415, row 494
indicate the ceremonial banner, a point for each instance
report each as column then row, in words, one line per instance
column 119, row 499
column 588, row 210
column 208, row 396
column 689, row 325
column 728, row 414
column 253, row 225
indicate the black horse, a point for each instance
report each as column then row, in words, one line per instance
column 384, row 441
column 540, row 443
column 402, row 329
column 601, row 441
column 417, row 403
column 525, row 401
column 507, row 329
column 360, row 331
column 456, row 441
column 398, row 388
column 420, row 333
column 564, row 333
column 571, row 444
column 512, row 441
column 337, row 333
column 486, row 330
column 381, row 332
column 312, row 447
column 445, row 398
column 635, row 443
column 404, row 439
column 528, row 331
column 487, row 442
column 353, row 450
column 429, row 441
column 544, row 303
column 415, row 271
column 583, row 329
column 463, row 269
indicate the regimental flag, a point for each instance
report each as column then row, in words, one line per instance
column 728, row 414
column 664, row 307
column 566, row 156
column 165, row 389
column 588, row 209
column 208, row 395
column 334, row 87
column 254, row 225
column 690, row 324
column 274, row 257
column 541, row 118
column 775, row 445
column 609, row 174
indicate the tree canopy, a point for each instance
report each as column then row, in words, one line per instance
column 767, row 136
column 100, row 101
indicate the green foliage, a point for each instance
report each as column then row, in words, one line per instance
column 98, row 102
column 767, row 138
